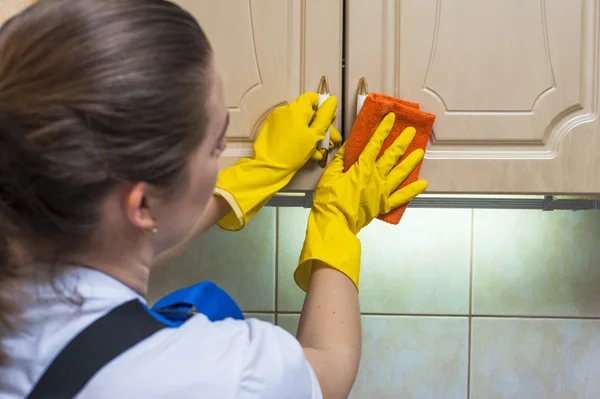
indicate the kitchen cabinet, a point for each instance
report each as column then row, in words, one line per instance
column 514, row 85
column 269, row 52
column 8, row 8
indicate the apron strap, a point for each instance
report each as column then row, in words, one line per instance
column 93, row 348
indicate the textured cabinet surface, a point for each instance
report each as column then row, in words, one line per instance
column 514, row 85
column 270, row 52
column 8, row 8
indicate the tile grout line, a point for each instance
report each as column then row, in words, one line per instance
column 276, row 297
column 439, row 315
column 258, row 312
column 470, row 322
column 297, row 312
column 536, row 317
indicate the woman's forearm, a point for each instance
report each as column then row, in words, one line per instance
column 330, row 330
column 215, row 210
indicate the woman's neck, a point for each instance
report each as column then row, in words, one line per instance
column 131, row 267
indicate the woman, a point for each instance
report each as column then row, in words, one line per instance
column 112, row 120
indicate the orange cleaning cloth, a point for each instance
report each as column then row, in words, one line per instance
column 375, row 107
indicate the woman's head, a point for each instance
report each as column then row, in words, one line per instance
column 111, row 120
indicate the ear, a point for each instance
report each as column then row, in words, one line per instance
column 137, row 208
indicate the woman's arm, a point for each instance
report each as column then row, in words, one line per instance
column 216, row 208
column 329, row 330
column 329, row 267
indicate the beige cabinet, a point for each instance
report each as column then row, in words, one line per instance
column 514, row 85
column 270, row 52
column 8, row 8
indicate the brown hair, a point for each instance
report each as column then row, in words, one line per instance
column 92, row 93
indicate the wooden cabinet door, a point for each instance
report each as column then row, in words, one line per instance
column 269, row 52
column 8, row 8
column 514, row 85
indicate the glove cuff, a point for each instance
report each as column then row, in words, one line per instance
column 235, row 219
column 247, row 186
column 331, row 242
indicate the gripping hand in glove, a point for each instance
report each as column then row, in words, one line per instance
column 286, row 142
column 344, row 203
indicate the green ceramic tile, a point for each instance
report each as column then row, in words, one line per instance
column 535, row 358
column 421, row 266
column 536, row 263
column 242, row 263
column 409, row 357
column 268, row 317
column 289, row 322
column 413, row 357
column 291, row 230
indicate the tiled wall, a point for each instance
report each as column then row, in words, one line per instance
column 479, row 304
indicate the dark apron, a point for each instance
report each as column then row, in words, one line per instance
column 124, row 327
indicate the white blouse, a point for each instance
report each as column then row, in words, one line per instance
column 200, row 359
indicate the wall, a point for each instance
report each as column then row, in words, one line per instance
column 456, row 303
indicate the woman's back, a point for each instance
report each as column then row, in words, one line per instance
column 227, row 359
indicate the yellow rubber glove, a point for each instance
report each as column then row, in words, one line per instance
column 344, row 203
column 286, row 142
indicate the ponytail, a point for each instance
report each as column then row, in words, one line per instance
column 8, row 308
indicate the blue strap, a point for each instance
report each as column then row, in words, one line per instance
column 205, row 298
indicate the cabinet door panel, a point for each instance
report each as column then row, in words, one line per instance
column 514, row 85
column 8, row 8
column 269, row 52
